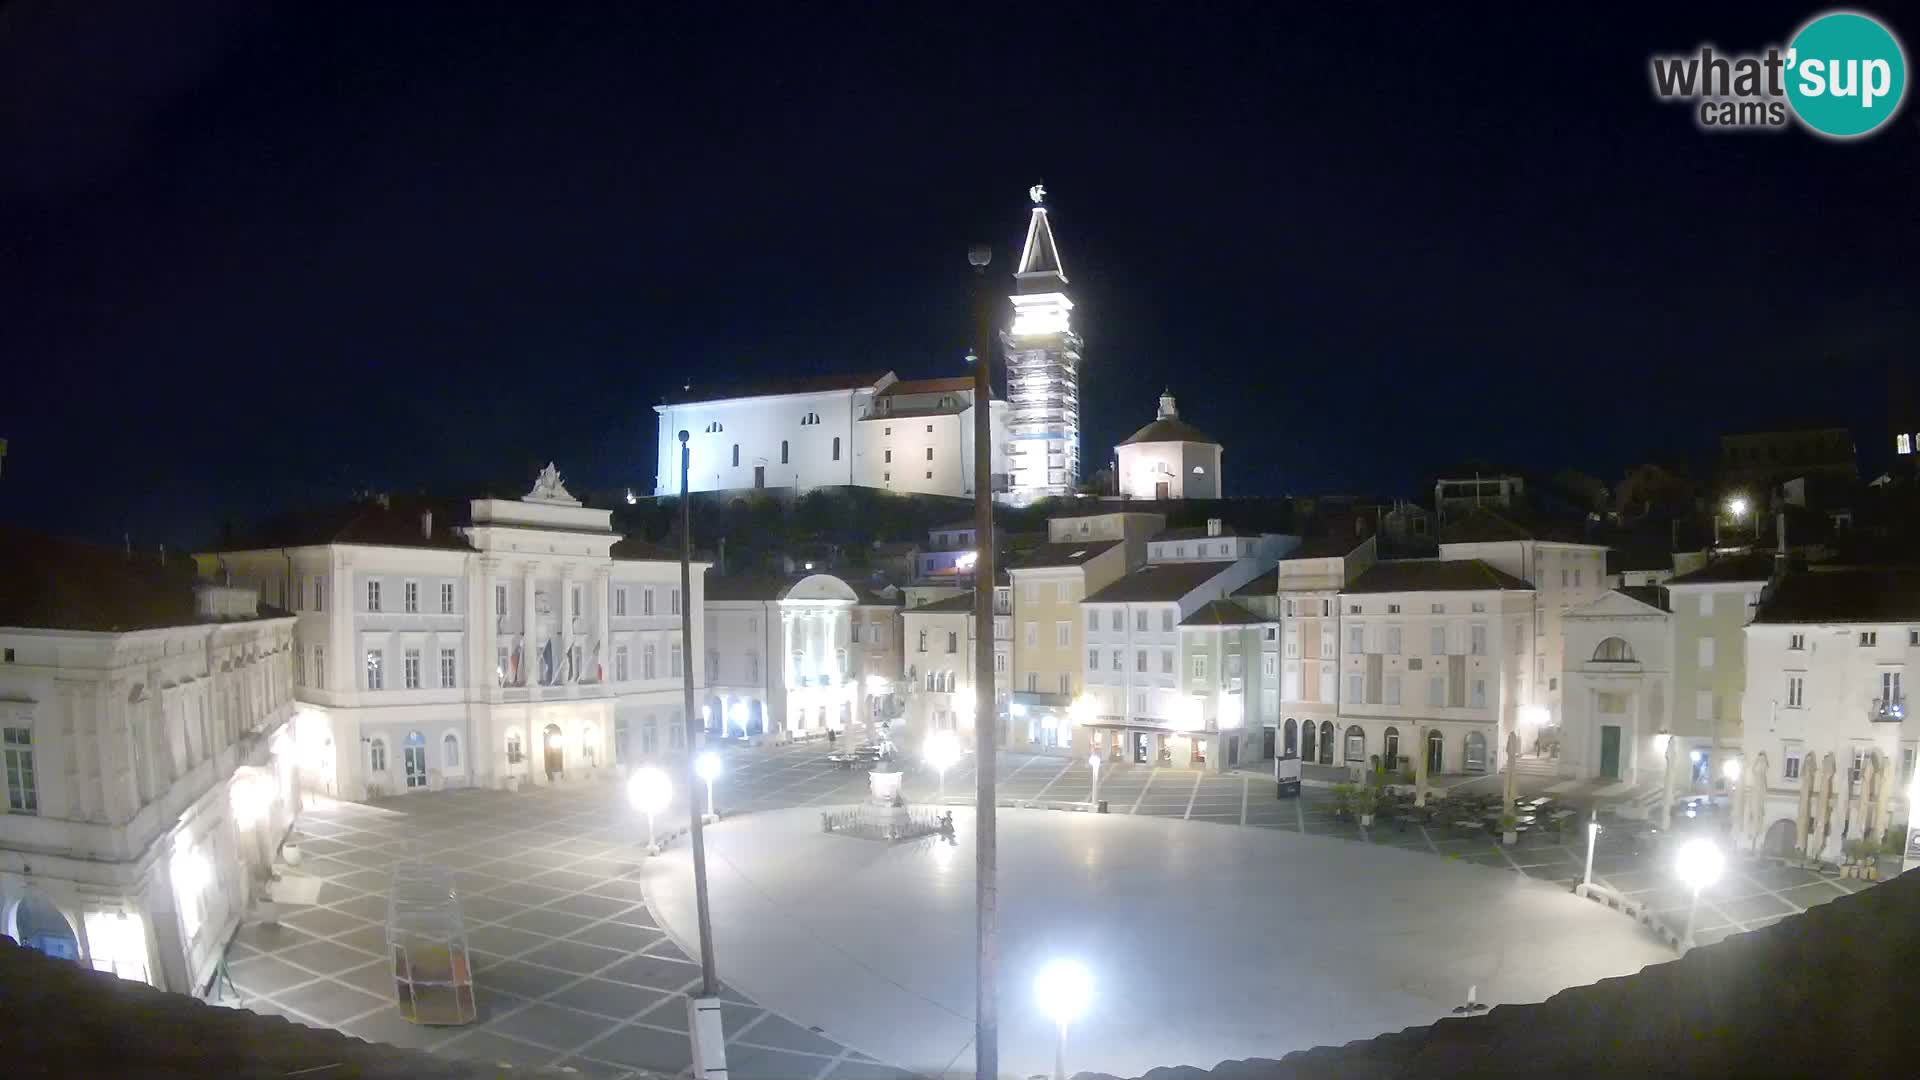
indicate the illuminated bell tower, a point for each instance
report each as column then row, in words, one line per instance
column 1043, row 370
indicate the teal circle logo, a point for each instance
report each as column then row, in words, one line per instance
column 1846, row 74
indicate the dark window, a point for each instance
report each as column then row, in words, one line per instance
column 736, row 455
column 836, row 448
column 783, row 451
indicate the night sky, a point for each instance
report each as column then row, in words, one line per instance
column 256, row 256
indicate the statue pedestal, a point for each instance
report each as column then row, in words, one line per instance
column 883, row 787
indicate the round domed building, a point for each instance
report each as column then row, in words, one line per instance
column 1169, row 459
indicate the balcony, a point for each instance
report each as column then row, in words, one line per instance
column 1891, row 710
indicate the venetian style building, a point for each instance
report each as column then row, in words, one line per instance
column 149, row 760
column 1306, row 587
column 1043, row 368
column 800, row 656
column 525, row 643
column 1169, row 459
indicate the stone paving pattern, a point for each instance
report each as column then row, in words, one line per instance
column 572, row 969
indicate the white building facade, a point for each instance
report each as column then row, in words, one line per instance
column 1169, row 459
column 1618, row 689
column 149, row 769
column 528, row 646
column 797, row 657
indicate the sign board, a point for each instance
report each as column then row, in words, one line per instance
column 1286, row 777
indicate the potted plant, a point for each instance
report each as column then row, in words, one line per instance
column 1343, row 795
column 1365, row 799
column 1509, row 829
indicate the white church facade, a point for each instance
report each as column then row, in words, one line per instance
column 528, row 645
column 1169, row 459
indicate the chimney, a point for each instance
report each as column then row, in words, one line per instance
column 426, row 524
column 1213, row 526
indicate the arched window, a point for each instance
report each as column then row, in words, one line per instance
column 1326, row 742
column 450, row 751
column 1436, row 744
column 377, row 756
column 1391, row 755
column 783, row 451
column 736, row 455
column 715, row 428
column 1356, row 749
column 836, row 448
column 1614, row 651
column 1291, row 739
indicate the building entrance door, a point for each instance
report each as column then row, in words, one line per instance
column 759, row 476
column 1268, row 737
column 1140, row 748
column 415, row 758
column 555, row 759
column 1163, row 490
column 1610, row 751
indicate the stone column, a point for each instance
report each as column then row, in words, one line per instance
column 600, row 654
column 485, row 625
column 566, row 617
column 528, row 648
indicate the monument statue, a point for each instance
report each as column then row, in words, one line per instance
column 547, row 488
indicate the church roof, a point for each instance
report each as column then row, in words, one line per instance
column 1169, row 429
column 802, row 384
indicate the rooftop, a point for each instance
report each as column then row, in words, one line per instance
column 1484, row 526
column 53, row 583
column 1160, row 581
column 1073, row 553
column 1199, row 532
column 1434, row 575
column 1844, row 595
column 1267, row 584
column 1222, row 613
column 804, row 384
column 962, row 604
column 1325, row 547
column 380, row 522
column 1754, row 566
column 1651, row 595
column 957, row 384
column 1169, row 429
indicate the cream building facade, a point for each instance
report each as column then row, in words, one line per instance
column 1305, row 587
column 149, row 761
column 528, row 645
column 1711, row 607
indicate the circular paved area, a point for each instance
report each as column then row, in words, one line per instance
column 1206, row 943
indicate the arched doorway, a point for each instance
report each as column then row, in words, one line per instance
column 1306, row 738
column 1779, row 839
column 1391, row 758
column 39, row 925
column 556, row 752
column 1326, row 742
column 1355, row 752
column 1436, row 752
column 1290, row 738
column 1476, row 759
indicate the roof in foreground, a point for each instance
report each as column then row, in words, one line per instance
column 1849, row 595
column 1169, row 429
column 1222, row 613
column 1073, row 553
column 1755, row 566
column 53, row 583
column 1435, row 575
column 1762, row 1003
column 1160, row 581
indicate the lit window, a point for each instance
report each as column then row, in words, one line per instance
column 446, row 598
column 411, row 661
column 1903, row 443
column 23, row 790
column 412, row 597
column 446, row 667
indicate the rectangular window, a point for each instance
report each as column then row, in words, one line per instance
column 1479, row 607
column 1563, row 578
column 676, row 661
column 1706, row 605
column 1479, row 693
column 1140, row 660
column 446, row 598
column 1703, row 704
column 1392, row 686
column 411, row 662
column 1797, row 642
column 889, row 457
column 1393, row 641
column 1869, row 638
column 1436, row 690
column 320, row 593
column 1576, row 578
column 1033, row 635
column 1062, row 592
column 446, row 667
column 376, row 675
column 1356, row 688
column 1063, row 633
column 1790, row 765
column 622, row 663
column 1290, row 683
column 411, row 595
column 23, row 787
column 1093, row 619
column 1289, row 609
column 1706, row 652
column 299, row 668
column 1119, row 620
column 650, row 662
column 1437, row 609
column 573, row 602
column 1437, row 641
column 1118, row 659
column 619, row 601
column 1000, row 664
column 646, row 601
column 1267, row 664
column 1166, row 661
column 1093, row 659
column 1292, row 644
column 1166, row 619
column 1200, row 666
column 319, row 667
column 1356, row 640
column 1140, row 619
column 1327, row 684
column 1393, row 609
column 1796, row 691
column 1066, row 683
column 373, row 596
column 953, row 642
column 1326, row 643
column 500, row 663
column 673, row 595
column 1479, row 639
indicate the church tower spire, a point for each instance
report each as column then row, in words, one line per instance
column 1043, row 368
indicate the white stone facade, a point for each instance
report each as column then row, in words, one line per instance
column 1618, row 691
column 1169, row 459
column 790, row 662
column 150, row 777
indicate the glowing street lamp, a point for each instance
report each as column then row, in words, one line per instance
column 1737, row 506
column 707, row 766
column 1062, row 990
column 1699, row 864
column 942, row 751
column 649, row 790
column 1093, row 762
column 1593, row 833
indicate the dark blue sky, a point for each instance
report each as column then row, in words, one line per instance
column 253, row 255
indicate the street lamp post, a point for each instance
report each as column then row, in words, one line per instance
column 1093, row 762
column 649, row 791
column 942, row 750
column 1593, row 833
column 706, row 1035
column 707, row 765
column 1699, row 865
column 1062, row 989
column 986, row 990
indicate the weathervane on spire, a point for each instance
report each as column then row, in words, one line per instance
column 1038, row 193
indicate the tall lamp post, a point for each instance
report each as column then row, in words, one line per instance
column 1699, row 865
column 1062, row 989
column 986, row 1001
column 1593, row 833
column 703, row 1012
column 708, row 766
